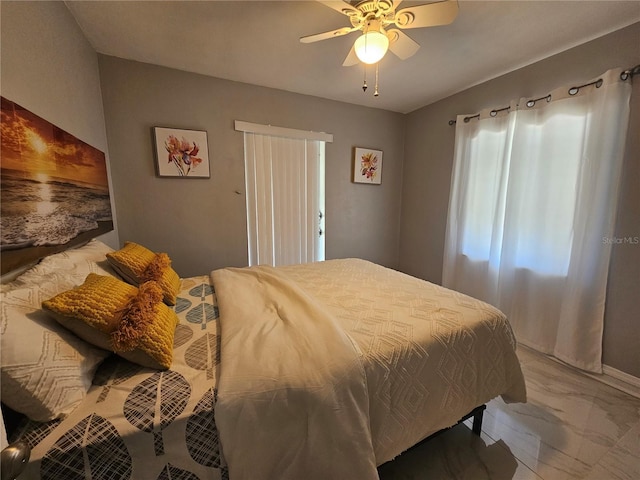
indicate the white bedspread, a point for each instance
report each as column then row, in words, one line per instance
column 329, row 369
column 292, row 394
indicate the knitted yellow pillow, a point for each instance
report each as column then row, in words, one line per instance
column 108, row 313
column 137, row 264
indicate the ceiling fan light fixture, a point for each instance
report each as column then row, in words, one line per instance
column 371, row 46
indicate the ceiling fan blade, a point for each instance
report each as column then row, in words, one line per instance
column 352, row 58
column 340, row 6
column 430, row 15
column 401, row 45
column 323, row 36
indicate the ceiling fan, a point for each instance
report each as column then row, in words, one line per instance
column 373, row 17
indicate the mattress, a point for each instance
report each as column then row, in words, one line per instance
column 427, row 356
column 430, row 354
column 419, row 356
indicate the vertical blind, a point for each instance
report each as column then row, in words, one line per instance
column 284, row 176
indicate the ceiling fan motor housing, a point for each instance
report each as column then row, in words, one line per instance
column 370, row 10
column 369, row 6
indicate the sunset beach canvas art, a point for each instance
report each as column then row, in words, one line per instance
column 54, row 188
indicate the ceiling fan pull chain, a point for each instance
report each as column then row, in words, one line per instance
column 364, row 85
column 375, row 92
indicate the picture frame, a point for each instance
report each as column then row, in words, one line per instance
column 55, row 189
column 181, row 153
column 367, row 166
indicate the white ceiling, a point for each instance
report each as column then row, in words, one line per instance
column 258, row 42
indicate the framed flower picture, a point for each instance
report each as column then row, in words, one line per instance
column 181, row 153
column 367, row 166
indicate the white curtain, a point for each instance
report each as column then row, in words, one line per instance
column 533, row 202
column 285, row 198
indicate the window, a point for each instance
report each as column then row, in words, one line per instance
column 533, row 168
column 550, row 157
column 482, row 196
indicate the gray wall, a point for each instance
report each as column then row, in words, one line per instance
column 50, row 68
column 621, row 347
column 427, row 174
column 201, row 223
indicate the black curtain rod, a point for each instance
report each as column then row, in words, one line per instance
column 624, row 75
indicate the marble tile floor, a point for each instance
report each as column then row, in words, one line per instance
column 572, row 427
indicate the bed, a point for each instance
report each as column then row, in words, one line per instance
column 323, row 370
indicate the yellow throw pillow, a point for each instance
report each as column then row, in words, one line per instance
column 108, row 313
column 137, row 264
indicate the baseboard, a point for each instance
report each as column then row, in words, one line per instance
column 619, row 380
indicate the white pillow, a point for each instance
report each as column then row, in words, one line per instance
column 71, row 265
column 45, row 369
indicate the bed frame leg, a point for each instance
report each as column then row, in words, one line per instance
column 476, row 428
column 477, row 419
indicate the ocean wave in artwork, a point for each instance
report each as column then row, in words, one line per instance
column 45, row 213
